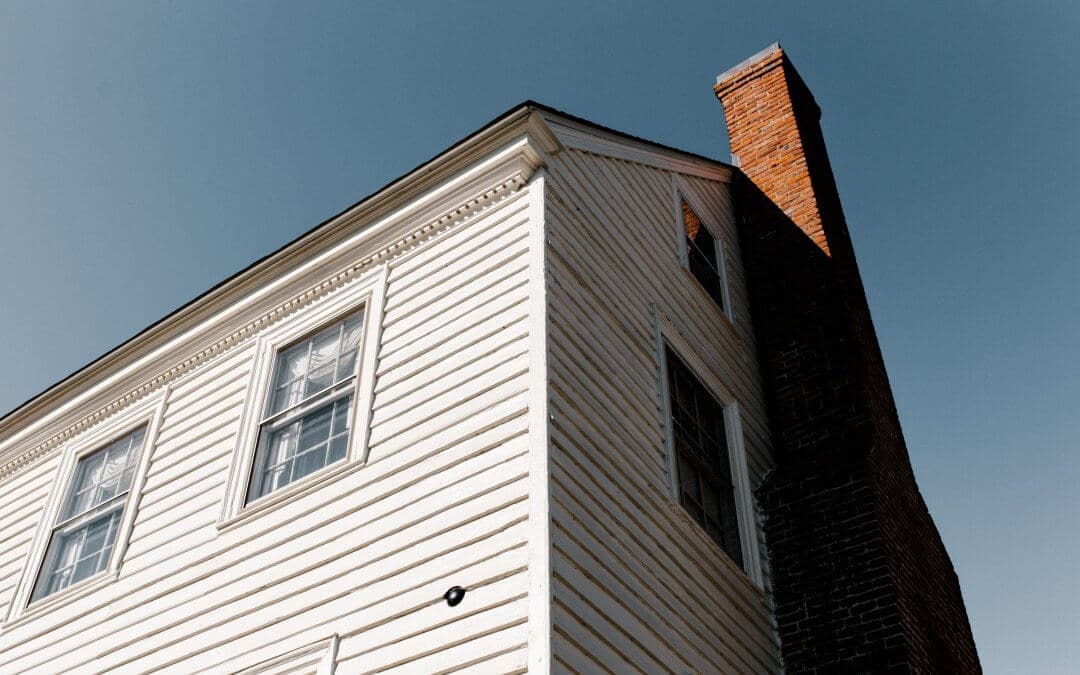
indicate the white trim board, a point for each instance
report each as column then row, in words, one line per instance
column 318, row 657
column 579, row 136
column 539, row 537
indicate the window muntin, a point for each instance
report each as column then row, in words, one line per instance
column 83, row 539
column 308, row 413
column 705, row 484
column 701, row 254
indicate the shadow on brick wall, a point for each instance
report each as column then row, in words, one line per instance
column 861, row 580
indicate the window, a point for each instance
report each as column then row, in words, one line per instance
column 308, row 405
column 307, row 419
column 317, row 658
column 82, row 541
column 704, row 255
column 702, row 460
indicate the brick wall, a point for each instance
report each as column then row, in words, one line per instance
column 862, row 581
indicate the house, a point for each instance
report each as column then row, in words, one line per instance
column 559, row 399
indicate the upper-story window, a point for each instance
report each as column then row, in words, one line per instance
column 91, row 512
column 307, row 419
column 308, row 407
column 702, row 460
column 704, row 255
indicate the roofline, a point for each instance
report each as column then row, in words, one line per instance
column 523, row 110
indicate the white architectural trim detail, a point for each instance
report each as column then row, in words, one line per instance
column 667, row 335
column 541, row 132
column 520, row 159
column 147, row 412
column 592, row 140
column 367, row 291
column 539, row 560
column 318, row 657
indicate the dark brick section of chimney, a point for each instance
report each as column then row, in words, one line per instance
column 861, row 579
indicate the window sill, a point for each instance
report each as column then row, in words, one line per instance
column 718, row 552
column 291, row 492
column 70, row 594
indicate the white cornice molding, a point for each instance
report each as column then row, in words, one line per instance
column 485, row 183
column 579, row 136
column 538, row 130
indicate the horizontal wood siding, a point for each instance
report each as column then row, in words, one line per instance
column 442, row 501
column 637, row 586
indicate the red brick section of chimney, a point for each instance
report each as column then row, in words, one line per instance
column 860, row 577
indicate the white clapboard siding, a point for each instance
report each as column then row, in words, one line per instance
column 442, row 499
column 23, row 502
column 638, row 587
column 515, row 454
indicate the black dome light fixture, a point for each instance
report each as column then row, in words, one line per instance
column 454, row 595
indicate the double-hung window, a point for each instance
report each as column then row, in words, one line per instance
column 703, row 468
column 308, row 414
column 704, row 255
column 82, row 541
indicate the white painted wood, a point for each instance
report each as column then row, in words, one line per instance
column 146, row 413
column 638, row 584
column 318, row 658
column 366, row 293
column 539, row 566
column 509, row 438
column 431, row 199
column 436, row 490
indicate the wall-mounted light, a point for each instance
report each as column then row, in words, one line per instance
column 454, row 595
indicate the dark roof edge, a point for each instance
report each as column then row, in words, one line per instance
column 523, row 107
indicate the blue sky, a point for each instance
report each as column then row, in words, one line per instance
column 148, row 150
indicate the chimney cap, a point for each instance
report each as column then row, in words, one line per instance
column 756, row 58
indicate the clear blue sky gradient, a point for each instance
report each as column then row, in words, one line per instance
column 149, row 150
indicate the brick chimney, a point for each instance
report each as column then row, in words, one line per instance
column 860, row 577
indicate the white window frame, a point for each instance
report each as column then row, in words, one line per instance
column 148, row 413
column 667, row 336
column 318, row 657
column 680, row 191
column 367, row 293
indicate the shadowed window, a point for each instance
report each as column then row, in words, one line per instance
column 702, row 256
column 703, row 466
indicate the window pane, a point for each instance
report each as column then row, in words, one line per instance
column 78, row 554
column 691, row 222
column 354, row 326
column 302, row 447
column 309, row 461
column 88, row 473
column 103, row 474
column 337, row 449
column 287, row 395
column 700, row 446
column 325, row 347
column 701, row 254
column 315, row 428
column 346, row 366
column 315, row 364
column 320, row 379
column 293, row 363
